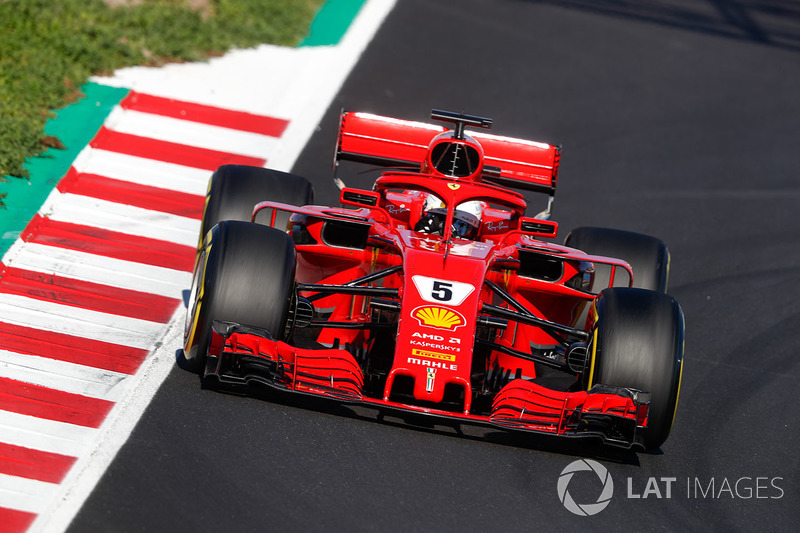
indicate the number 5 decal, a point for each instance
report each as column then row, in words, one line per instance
column 442, row 291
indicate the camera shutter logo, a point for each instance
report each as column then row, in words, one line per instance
column 585, row 509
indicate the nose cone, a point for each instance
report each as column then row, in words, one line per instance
column 436, row 332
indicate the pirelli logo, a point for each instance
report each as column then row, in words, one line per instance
column 433, row 355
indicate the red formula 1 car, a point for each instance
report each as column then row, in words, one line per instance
column 434, row 293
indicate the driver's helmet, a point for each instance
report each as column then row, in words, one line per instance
column 465, row 225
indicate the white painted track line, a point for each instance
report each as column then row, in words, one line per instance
column 105, row 327
column 25, row 494
column 76, row 209
column 190, row 133
column 142, row 171
column 100, row 269
column 45, row 435
column 60, row 375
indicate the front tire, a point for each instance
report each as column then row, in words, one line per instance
column 638, row 344
column 245, row 274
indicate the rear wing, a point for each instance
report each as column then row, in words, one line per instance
column 385, row 141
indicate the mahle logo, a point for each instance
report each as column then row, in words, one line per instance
column 585, row 509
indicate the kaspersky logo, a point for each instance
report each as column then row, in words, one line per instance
column 603, row 479
column 433, row 316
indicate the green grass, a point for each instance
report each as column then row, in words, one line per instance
column 49, row 48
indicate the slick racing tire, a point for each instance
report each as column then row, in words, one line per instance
column 638, row 344
column 245, row 274
column 234, row 190
column 648, row 256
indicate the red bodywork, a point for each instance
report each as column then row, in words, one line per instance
column 472, row 330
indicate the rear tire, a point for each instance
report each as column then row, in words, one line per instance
column 244, row 274
column 639, row 345
column 234, row 190
column 648, row 256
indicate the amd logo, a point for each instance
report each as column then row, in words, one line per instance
column 434, row 337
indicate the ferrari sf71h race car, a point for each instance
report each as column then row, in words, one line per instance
column 434, row 293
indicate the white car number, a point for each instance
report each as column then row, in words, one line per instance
column 441, row 291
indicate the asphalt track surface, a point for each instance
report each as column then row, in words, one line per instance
column 678, row 119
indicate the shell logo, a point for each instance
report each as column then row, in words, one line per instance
column 438, row 317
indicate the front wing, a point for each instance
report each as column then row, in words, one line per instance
column 239, row 355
